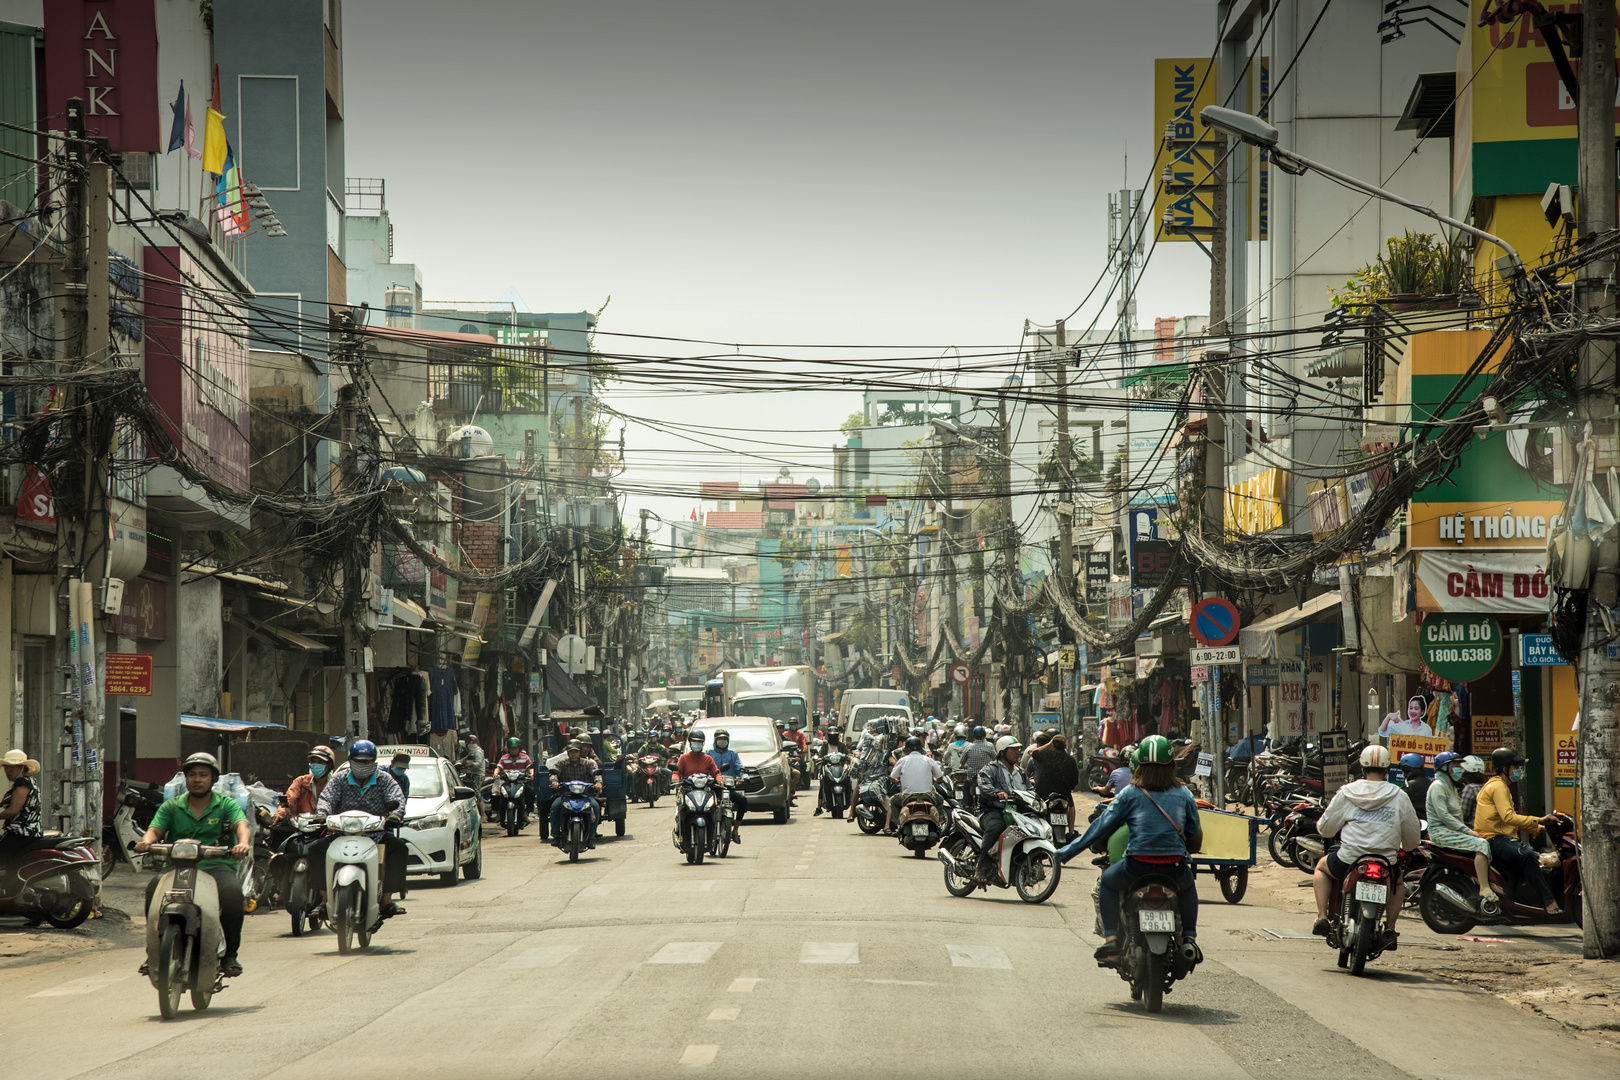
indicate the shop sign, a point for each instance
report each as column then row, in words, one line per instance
column 1180, row 89
column 1099, row 567
column 1300, row 696
column 1487, row 734
column 36, row 505
column 1448, row 526
column 1503, row 582
column 1536, row 650
column 1261, row 674
column 129, row 674
column 107, row 54
column 1428, row 746
column 143, row 610
column 1460, row 647
column 1254, row 506
column 1566, row 763
column 1200, row 673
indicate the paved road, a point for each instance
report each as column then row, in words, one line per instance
column 810, row 950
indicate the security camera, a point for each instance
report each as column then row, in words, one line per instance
column 1494, row 410
column 1559, row 203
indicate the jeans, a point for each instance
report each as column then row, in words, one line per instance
column 1118, row 877
column 396, row 853
column 992, row 822
column 1517, row 858
column 230, row 905
column 590, row 826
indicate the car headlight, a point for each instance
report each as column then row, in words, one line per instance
column 431, row 821
column 771, row 768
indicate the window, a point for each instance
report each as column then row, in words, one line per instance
column 334, row 224
column 267, row 130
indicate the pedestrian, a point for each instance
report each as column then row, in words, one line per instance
column 20, row 809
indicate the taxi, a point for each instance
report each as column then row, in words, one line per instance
column 441, row 817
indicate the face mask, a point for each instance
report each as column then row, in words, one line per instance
column 1457, row 775
column 396, row 771
column 362, row 770
column 721, row 744
column 317, row 771
column 1518, row 774
column 697, row 747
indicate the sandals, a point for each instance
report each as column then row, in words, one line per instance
column 230, row 967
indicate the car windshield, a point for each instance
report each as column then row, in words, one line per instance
column 747, row 739
column 786, row 711
column 427, row 782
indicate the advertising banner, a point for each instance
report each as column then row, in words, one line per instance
column 1180, row 89
column 106, row 52
column 1417, row 744
column 1499, row 582
column 129, row 674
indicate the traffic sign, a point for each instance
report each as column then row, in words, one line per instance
column 1214, row 622
column 1223, row 654
column 960, row 673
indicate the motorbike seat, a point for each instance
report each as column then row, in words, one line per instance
column 51, row 843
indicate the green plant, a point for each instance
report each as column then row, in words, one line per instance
column 853, row 423
column 1413, row 263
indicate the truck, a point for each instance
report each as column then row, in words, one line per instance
column 784, row 694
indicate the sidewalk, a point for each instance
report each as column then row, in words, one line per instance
column 22, row 945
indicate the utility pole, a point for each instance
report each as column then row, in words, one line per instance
column 357, row 472
column 1595, row 377
column 1065, row 510
column 1214, row 512
column 947, row 541
column 1015, row 683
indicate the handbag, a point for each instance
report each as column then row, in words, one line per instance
column 1190, row 849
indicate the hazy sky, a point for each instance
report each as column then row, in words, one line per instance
column 880, row 171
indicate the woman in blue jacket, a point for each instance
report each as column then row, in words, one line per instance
column 1163, row 819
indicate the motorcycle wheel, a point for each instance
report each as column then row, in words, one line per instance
column 69, row 915
column 838, row 813
column 109, row 855
column 868, row 824
column 576, row 841
column 511, row 824
column 1440, row 916
column 171, row 969
column 1304, row 861
column 1281, row 852
column 1096, row 776
column 723, row 841
column 700, row 843
column 1362, row 945
column 1153, row 989
column 297, row 921
column 959, row 884
column 200, row 995
column 1036, row 877
column 1234, row 883
column 345, row 913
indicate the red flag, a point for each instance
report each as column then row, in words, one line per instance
column 216, row 104
column 694, row 514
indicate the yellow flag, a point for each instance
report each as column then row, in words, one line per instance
column 214, row 143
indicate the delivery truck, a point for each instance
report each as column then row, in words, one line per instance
column 785, row 694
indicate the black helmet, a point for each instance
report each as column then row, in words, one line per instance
column 1504, row 758
column 978, row 732
column 913, row 745
column 694, row 736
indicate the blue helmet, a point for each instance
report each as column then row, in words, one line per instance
column 1411, row 761
column 1442, row 759
column 363, row 748
column 978, row 732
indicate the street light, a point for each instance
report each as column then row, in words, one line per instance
column 1256, row 132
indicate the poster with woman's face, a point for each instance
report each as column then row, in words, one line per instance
column 1413, row 723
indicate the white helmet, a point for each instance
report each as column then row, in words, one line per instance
column 961, row 731
column 1007, row 742
column 1375, row 757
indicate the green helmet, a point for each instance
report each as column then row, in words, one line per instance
column 1135, row 759
column 1155, row 750
column 514, row 742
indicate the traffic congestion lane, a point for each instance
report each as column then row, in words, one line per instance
column 810, row 946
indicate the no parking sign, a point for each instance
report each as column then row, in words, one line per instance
column 1214, row 622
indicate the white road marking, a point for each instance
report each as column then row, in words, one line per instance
column 830, row 952
column 81, row 986
column 898, row 982
column 695, row 886
column 544, row 957
column 802, row 866
column 686, row 952
column 743, row 986
column 978, row 956
column 725, row 1014
column 698, row 1054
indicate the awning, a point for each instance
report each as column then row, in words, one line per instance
column 290, row 637
column 406, row 612
column 565, row 694
column 216, row 723
column 1259, row 641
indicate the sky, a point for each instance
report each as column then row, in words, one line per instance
column 880, row 172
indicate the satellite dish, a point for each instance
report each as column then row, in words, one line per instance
column 812, row 485
column 572, row 654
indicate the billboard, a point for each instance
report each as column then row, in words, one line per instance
column 106, row 52
column 1180, row 89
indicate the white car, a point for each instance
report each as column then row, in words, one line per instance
column 441, row 830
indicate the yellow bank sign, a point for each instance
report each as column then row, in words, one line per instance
column 1180, row 89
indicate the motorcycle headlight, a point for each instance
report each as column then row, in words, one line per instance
column 429, row 821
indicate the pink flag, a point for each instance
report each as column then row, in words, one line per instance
column 191, row 132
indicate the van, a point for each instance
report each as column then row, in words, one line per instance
column 856, row 707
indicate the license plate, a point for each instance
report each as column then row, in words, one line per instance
column 1373, row 894
column 1157, row 922
column 1060, row 821
column 919, row 830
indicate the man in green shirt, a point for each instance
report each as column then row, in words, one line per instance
column 204, row 815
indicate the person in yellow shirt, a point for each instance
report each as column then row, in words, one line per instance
column 1500, row 824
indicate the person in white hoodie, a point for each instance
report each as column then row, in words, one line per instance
column 1371, row 817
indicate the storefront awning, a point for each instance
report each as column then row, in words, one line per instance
column 291, row 637
column 1259, row 641
column 216, row 723
column 565, row 694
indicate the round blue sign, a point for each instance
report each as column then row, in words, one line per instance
column 1214, row 622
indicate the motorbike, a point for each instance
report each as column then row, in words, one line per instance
column 353, row 877
column 1448, row 895
column 511, row 790
column 796, row 763
column 720, row 841
column 1296, row 842
column 918, row 824
column 1057, row 812
column 576, row 818
column 696, row 817
column 835, row 783
column 184, row 940
column 1025, row 860
column 1153, row 955
column 137, row 802
column 868, row 811
column 53, row 880
column 289, row 868
column 1357, row 926
column 1103, row 762
column 648, row 782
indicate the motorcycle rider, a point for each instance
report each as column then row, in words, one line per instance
column 1370, row 816
column 305, row 790
column 1500, row 824
column 1443, row 811
column 694, row 760
column 200, row 813
column 360, row 785
column 399, row 767
column 996, row 781
column 1473, row 780
column 516, row 758
column 1120, row 778
column 575, row 765
column 976, row 754
column 833, row 745
column 871, row 741
column 1417, row 783
column 953, row 749
column 19, row 812
column 729, row 764
column 793, row 735
column 916, row 773
column 1162, row 816
column 1053, row 772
